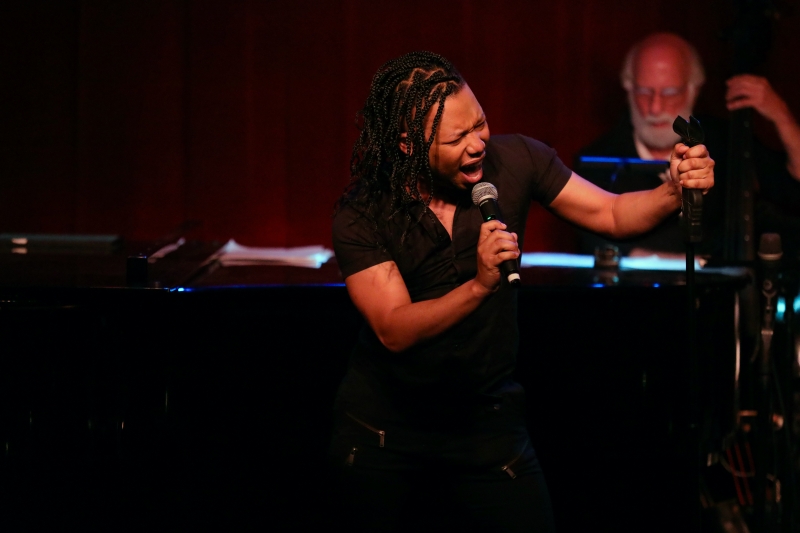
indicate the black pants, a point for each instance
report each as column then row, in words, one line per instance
column 389, row 477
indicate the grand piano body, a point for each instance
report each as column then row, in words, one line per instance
column 200, row 396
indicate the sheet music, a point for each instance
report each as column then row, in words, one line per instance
column 234, row 254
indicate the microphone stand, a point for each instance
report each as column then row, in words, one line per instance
column 771, row 367
column 691, row 219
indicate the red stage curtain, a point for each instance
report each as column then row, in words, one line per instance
column 132, row 117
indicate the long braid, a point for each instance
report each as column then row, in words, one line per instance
column 402, row 93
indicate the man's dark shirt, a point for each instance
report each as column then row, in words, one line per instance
column 776, row 188
column 473, row 357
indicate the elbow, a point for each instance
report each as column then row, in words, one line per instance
column 612, row 231
column 394, row 339
column 619, row 235
column 393, row 343
column 392, row 333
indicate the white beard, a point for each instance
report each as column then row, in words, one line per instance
column 653, row 137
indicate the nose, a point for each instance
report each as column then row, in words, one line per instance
column 656, row 104
column 476, row 144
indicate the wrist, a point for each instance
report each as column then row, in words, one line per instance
column 674, row 195
column 479, row 290
column 783, row 119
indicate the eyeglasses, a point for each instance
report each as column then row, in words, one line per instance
column 667, row 93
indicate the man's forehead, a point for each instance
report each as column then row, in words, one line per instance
column 661, row 63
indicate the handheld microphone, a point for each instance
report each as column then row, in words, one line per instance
column 484, row 195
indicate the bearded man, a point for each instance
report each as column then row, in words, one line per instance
column 429, row 425
column 662, row 76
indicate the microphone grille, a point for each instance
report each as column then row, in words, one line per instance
column 483, row 190
column 769, row 247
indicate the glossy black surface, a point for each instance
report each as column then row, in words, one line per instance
column 209, row 406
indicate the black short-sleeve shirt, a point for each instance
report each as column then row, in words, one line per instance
column 479, row 352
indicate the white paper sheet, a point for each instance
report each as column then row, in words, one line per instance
column 234, row 254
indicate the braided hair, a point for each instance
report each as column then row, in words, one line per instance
column 402, row 93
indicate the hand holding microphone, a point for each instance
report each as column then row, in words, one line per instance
column 484, row 195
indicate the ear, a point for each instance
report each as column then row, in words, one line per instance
column 403, row 144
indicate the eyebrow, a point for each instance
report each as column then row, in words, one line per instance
column 460, row 133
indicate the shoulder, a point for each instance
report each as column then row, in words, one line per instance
column 347, row 214
column 529, row 166
column 357, row 241
column 353, row 223
column 519, row 153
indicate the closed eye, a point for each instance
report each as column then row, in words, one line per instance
column 479, row 126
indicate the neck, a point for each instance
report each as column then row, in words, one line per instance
column 443, row 193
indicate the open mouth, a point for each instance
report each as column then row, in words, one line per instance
column 473, row 169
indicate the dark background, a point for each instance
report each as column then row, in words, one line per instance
column 133, row 117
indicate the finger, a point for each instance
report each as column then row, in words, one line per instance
column 738, row 78
column 698, row 151
column 504, row 247
column 505, row 256
column 678, row 165
column 487, row 228
column 509, row 245
column 500, row 239
column 737, row 93
column 702, row 184
column 493, row 225
column 740, row 103
column 506, row 250
column 697, row 174
column 677, row 152
column 680, row 149
column 695, row 163
column 697, row 179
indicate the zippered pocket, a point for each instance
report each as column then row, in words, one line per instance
column 507, row 468
column 381, row 434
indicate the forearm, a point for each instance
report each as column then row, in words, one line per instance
column 789, row 133
column 611, row 215
column 409, row 324
column 637, row 212
column 380, row 293
column 747, row 90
